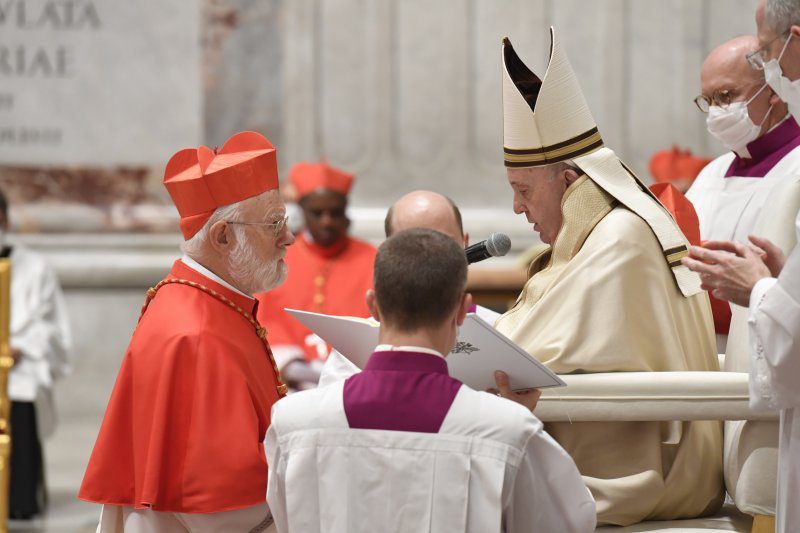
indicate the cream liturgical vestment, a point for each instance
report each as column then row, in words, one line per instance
column 610, row 296
column 775, row 374
column 605, row 301
column 403, row 447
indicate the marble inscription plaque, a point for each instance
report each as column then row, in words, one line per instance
column 98, row 82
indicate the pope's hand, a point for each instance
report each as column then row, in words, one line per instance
column 528, row 398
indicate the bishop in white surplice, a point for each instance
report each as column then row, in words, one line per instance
column 730, row 192
column 774, row 319
column 405, row 446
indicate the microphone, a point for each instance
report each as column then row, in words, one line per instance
column 496, row 245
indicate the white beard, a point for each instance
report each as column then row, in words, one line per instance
column 251, row 274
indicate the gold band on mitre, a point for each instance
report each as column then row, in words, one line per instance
column 584, row 143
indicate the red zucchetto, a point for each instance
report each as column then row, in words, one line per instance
column 309, row 177
column 672, row 165
column 200, row 180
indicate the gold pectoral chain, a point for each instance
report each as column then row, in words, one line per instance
column 261, row 331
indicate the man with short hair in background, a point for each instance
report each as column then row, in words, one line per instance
column 405, row 444
column 181, row 444
column 426, row 209
column 429, row 210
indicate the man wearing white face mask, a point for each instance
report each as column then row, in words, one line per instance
column 749, row 119
column 778, row 56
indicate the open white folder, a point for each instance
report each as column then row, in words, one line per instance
column 479, row 351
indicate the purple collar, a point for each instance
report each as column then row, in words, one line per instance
column 766, row 151
column 406, row 362
column 400, row 391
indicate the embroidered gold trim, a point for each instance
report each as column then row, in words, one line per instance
column 562, row 144
column 676, row 254
column 579, row 145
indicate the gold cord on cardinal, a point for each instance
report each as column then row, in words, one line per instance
column 260, row 330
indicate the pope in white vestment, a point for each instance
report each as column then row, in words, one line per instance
column 610, row 295
column 774, row 319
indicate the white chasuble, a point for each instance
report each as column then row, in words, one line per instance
column 774, row 321
column 605, row 301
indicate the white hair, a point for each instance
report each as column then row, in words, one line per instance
column 250, row 273
column 567, row 164
column 194, row 246
column 781, row 15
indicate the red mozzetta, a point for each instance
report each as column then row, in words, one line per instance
column 184, row 427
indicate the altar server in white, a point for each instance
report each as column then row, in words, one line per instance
column 402, row 446
column 40, row 343
column 747, row 117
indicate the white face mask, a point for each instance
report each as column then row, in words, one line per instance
column 786, row 89
column 732, row 126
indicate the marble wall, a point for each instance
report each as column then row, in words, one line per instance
column 404, row 93
column 407, row 94
column 92, row 95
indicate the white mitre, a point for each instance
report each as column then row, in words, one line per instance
column 548, row 121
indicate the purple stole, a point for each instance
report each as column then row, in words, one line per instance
column 400, row 391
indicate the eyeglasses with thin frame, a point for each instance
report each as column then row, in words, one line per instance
column 758, row 58
column 278, row 226
column 722, row 98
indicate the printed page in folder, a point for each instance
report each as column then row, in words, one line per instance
column 479, row 351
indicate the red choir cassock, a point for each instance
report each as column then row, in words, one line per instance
column 184, row 428
column 331, row 280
